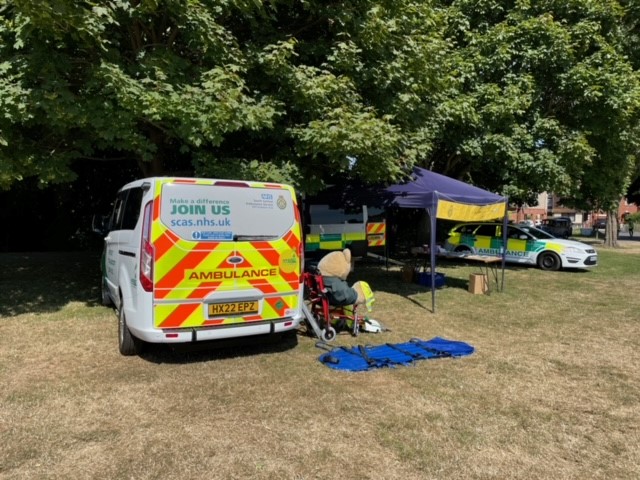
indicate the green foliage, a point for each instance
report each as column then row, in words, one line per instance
column 515, row 96
column 357, row 81
column 152, row 81
column 248, row 169
column 548, row 98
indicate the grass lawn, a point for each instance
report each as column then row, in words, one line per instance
column 552, row 391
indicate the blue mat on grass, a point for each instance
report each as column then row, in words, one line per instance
column 360, row 357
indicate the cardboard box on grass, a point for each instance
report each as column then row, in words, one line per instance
column 478, row 283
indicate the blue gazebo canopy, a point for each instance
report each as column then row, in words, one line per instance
column 427, row 188
column 446, row 198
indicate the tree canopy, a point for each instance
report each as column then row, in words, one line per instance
column 515, row 96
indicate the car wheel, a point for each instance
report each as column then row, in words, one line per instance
column 105, row 297
column 127, row 343
column 549, row 261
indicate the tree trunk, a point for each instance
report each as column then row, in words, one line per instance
column 611, row 232
column 155, row 167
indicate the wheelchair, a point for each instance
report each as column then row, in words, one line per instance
column 329, row 318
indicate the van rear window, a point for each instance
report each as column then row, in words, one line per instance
column 218, row 213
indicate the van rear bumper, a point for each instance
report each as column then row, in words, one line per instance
column 200, row 334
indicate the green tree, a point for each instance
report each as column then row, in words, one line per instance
column 546, row 100
column 607, row 83
column 632, row 50
column 515, row 96
column 282, row 90
column 358, row 82
column 153, row 81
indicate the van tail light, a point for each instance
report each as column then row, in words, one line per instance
column 146, row 250
column 301, row 257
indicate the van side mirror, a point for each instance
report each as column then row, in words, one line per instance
column 100, row 224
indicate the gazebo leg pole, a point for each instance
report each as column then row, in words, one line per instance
column 432, row 251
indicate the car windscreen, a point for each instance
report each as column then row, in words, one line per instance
column 536, row 233
column 486, row 230
column 203, row 212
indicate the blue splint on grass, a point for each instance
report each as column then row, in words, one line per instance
column 360, row 358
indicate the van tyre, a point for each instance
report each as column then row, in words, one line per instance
column 127, row 343
column 549, row 261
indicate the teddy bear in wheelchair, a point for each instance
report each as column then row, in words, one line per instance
column 335, row 268
column 347, row 304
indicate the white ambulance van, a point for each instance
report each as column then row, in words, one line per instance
column 190, row 259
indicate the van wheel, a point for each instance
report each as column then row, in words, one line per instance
column 462, row 249
column 127, row 343
column 105, row 297
column 549, row 261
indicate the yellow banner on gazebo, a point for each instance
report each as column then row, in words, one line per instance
column 463, row 212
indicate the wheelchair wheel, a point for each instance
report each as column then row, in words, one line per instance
column 328, row 334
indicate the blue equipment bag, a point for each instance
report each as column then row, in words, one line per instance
column 360, row 358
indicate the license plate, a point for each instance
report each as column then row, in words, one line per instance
column 233, row 308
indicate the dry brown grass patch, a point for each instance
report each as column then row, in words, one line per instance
column 553, row 390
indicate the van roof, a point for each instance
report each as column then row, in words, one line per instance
column 188, row 180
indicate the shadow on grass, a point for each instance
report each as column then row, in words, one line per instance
column 45, row 282
column 387, row 280
column 390, row 281
column 219, row 349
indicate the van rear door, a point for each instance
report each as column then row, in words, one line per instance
column 226, row 253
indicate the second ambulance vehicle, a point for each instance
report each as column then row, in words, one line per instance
column 525, row 245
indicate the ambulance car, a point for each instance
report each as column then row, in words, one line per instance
column 525, row 245
column 361, row 229
column 189, row 259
